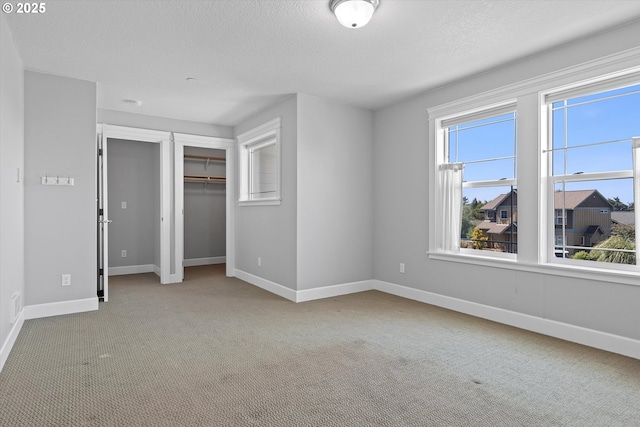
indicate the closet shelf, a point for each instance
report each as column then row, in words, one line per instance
column 194, row 178
column 203, row 158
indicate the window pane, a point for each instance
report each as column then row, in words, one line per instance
column 263, row 172
column 487, row 147
column 489, row 170
column 489, row 219
column 593, row 133
column 596, row 158
column 590, row 121
column 592, row 221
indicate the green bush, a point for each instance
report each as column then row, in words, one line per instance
column 584, row 255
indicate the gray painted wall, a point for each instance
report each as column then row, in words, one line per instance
column 11, row 191
column 142, row 121
column 335, row 193
column 60, row 222
column 269, row 232
column 204, row 207
column 401, row 208
column 134, row 178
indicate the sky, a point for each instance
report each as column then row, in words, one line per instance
column 579, row 129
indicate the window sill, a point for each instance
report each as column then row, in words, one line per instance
column 262, row 202
column 572, row 271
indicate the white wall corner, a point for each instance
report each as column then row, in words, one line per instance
column 267, row 285
column 37, row 311
column 577, row 334
column 334, row 290
column 7, row 345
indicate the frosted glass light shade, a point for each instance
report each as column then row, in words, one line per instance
column 354, row 13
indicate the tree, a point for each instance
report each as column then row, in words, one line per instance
column 479, row 238
column 627, row 232
column 615, row 242
column 622, row 237
column 617, row 204
column 471, row 215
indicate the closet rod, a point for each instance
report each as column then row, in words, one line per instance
column 205, row 178
column 195, row 156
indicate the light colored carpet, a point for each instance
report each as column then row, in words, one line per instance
column 215, row 351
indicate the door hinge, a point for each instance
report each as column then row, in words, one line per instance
column 99, row 151
column 100, row 211
column 101, row 272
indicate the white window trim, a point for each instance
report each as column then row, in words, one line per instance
column 548, row 216
column 529, row 91
column 446, row 115
column 265, row 134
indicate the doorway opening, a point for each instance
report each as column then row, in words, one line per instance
column 204, row 202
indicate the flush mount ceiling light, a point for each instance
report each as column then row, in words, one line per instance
column 354, row 13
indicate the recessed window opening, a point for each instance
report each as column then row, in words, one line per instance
column 259, row 171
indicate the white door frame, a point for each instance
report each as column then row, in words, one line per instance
column 228, row 144
column 164, row 139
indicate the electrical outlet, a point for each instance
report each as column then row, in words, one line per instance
column 123, row 253
column 259, row 261
column 402, row 267
column 66, row 280
column 124, row 205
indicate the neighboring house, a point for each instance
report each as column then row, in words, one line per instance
column 586, row 218
column 623, row 217
column 500, row 222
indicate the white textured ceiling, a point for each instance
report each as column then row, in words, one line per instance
column 247, row 54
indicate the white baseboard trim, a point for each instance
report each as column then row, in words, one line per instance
column 192, row 262
column 156, row 270
column 589, row 337
column 334, row 290
column 37, row 311
column 267, row 285
column 7, row 345
column 133, row 269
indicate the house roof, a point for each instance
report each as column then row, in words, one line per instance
column 574, row 198
column 493, row 228
column 591, row 230
column 623, row 217
column 494, row 203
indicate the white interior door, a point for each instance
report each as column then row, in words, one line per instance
column 103, row 220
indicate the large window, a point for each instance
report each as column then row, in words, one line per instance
column 259, row 157
column 483, row 146
column 590, row 165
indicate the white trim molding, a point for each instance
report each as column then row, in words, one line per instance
column 267, row 285
column 192, row 262
column 7, row 345
column 577, row 334
column 133, row 269
column 37, row 311
column 334, row 290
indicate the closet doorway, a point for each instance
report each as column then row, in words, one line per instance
column 139, row 207
column 204, row 197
